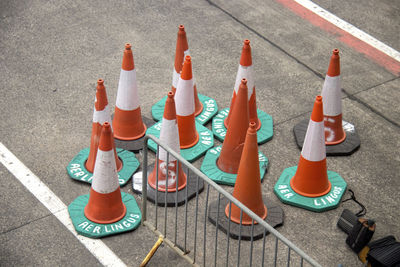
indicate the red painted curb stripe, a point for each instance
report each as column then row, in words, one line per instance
column 390, row 64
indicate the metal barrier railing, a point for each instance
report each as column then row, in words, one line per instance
column 191, row 250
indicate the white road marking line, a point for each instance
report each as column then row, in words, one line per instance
column 347, row 27
column 100, row 250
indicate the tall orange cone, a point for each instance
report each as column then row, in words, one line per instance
column 263, row 121
column 310, row 185
column 332, row 98
column 101, row 114
column 105, row 203
column 188, row 135
column 182, row 50
column 311, row 178
column 232, row 147
column 245, row 70
column 106, row 210
column 127, row 122
column 170, row 136
column 81, row 167
column 248, row 184
column 248, row 191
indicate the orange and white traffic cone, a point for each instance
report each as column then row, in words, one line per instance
column 204, row 107
column 105, row 203
column 127, row 122
column 310, row 184
column 182, row 50
column 105, row 211
column 232, row 147
column 169, row 135
column 188, row 135
column 245, row 70
column 101, row 114
column 311, row 178
column 248, row 191
column 332, row 98
column 263, row 121
column 82, row 165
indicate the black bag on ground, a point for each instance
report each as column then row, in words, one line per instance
column 384, row 252
column 360, row 234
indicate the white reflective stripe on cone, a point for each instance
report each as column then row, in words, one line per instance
column 245, row 72
column 175, row 78
column 332, row 96
column 101, row 116
column 170, row 135
column 127, row 96
column 105, row 176
column 184, row 98
column 314, row 142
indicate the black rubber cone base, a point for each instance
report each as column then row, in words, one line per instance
column 172, row 197
column 134, row 145
column 346, row 148
column 274, row 218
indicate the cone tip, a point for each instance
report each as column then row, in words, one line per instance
column 244, row 81
column 252, row 126
column 246, row 42
column 335, row 51
column 100, row 82
column 106, row 125
column 170, row 94
column 181, row 27
column 188, row 58
column 128, row 46
column 317, row 114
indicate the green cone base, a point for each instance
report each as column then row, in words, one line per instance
column 209, row 167
column 264, row 134
column 206, row 141
column 210, row 108
column 329, row 201
column 76, row 168
column 91, row 229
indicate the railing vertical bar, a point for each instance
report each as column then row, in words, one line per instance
column 144, row 182
column 205, row 226
column 276, row 250
column 301, row 261
column 176, row 199
column 165, row 197
column 195, row 222
column 240, row 237
column 252, row 241
column 216, row 231
column 186, row 206
column 288, row 258
column 263, row 248
column 228, row 234
column 156, row 192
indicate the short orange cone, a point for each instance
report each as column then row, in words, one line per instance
column 248, row 184
column 101, row 114
column 169, row 135
column 105, row 203
column 248, row 191
column 332, row 98
column 184, row 102
column 246, row 71
column 182, row 50
column 311, row 179
column 232, row 147
column 309, row 184
column 127, row 122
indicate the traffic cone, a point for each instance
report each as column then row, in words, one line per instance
column 232, row 147
column 188, row 135
column 332, row 98
column 311, row 178
column 127, row 122
column 101, row 114
column 105, row 203
column 81, row 167
column 248, row 184
column 204, row 107
column 246, row 71
column 170, row 136
column 106, row 210
column 182, row 50
column 263, row 121
column 310, row 185
column 248, row 191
